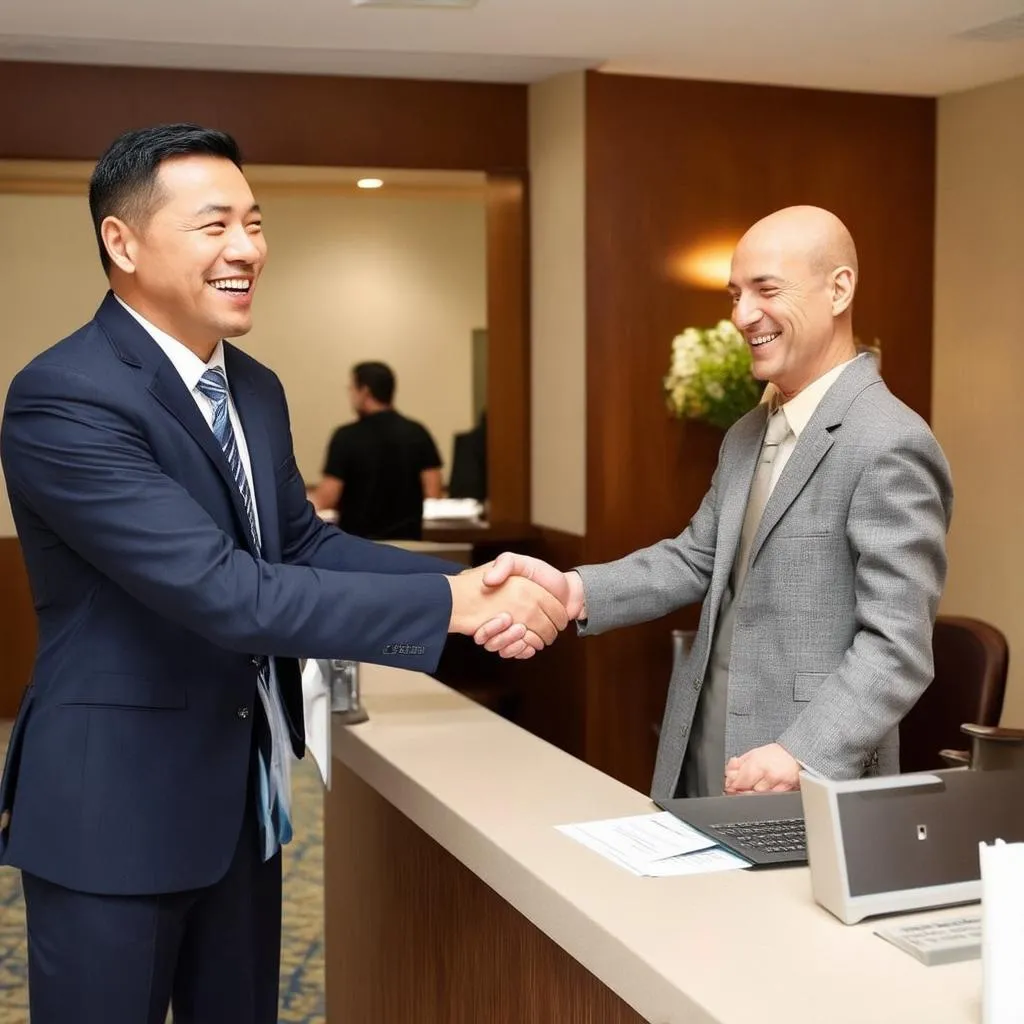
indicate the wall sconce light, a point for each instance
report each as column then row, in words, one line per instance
column 369, row 183
column 705, row 264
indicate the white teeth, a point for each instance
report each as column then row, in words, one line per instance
column 234, row 284
column 763, row 339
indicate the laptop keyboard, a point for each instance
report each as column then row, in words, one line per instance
column 783, row 836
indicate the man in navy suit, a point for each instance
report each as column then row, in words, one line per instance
column 178, row 572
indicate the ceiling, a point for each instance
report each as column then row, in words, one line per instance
column 71, row 177
column 895, row 46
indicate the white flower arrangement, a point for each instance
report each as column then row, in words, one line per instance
column 710, row 377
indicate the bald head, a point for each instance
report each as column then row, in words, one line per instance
column 817, row 235
column 792, row 283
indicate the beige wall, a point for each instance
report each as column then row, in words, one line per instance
column 979, row 357
column 402, row 280
column 50, row 283
column 558, row 326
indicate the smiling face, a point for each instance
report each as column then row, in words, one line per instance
column 191, row 266
column 791, row 300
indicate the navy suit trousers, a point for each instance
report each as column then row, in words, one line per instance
column 214, row 953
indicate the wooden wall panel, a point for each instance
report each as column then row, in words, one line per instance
column 672, row 164
column 545, row 695
column 414, row 937
column 72, row 112
column 552, row 695
column 17, row 627
column 508, row 350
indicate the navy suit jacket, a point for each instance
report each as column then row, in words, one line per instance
column 128, row 764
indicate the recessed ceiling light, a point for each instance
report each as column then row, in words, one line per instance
column 369, row 183
column 414, row 3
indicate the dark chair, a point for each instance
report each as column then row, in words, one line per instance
column 971, row 661
column 468, row 477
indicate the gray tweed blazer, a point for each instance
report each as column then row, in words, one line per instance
column 832, row 641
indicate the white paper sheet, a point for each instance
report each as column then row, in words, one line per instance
column 316, row 706
column 452, row 508
column 655, row 845
column 702, row 862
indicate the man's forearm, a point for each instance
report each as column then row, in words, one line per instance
column 642, row 586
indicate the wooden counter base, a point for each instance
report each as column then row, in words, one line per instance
column 414, row 937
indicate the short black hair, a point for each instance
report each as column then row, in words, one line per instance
column 124, row 181
column 378, row 377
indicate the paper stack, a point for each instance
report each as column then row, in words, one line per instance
column 656, row 845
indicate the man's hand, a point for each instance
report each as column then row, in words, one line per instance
column 529, row 616
column 769, row 769
column 501, row 634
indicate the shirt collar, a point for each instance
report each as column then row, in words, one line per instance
column 799, row 409
column 189, row 366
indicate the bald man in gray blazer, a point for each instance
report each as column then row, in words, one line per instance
column 818, row 552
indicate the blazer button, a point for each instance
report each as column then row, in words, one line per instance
column 243, row 711
column 254, row 660
column 696, row 685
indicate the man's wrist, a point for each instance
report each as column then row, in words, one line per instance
column 456, row 623
column 577, row 595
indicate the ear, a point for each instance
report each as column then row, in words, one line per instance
column 120, row 242
column 844, row 281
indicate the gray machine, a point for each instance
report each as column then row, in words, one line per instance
column 906, row 842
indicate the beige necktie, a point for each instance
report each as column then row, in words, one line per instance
column 760, row 489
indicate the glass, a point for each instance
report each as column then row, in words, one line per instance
column 344, row 681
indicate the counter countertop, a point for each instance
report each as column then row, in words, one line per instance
column 732, row 948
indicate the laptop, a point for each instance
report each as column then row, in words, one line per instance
column 765, row 829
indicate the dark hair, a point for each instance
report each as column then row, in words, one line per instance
column 378, row 378
column 124, row 181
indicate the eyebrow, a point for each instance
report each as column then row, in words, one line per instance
column 222, row 209
column 732, row 286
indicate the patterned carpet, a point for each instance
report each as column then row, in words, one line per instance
column 302, row 964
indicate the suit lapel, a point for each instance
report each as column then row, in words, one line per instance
column 810, row 450
column 132, row 343
column 263, row 483
column 815, row 441
column 169, row 390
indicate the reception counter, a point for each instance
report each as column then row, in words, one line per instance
column 451, row 898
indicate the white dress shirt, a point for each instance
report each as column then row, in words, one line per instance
column 798, row 412
column 190, row 368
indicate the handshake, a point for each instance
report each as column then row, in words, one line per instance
column 515, row 605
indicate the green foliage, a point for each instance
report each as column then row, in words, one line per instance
column 710, row 376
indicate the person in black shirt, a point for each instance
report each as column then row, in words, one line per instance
column 379, row 469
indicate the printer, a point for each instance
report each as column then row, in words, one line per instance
column 898, row 843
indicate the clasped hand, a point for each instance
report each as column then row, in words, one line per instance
column 515, row 605
column 767, row 769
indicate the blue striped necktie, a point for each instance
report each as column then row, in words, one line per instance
column 272, row 791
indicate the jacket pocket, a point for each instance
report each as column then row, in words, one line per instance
column 807, row 684
column 123, row 690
